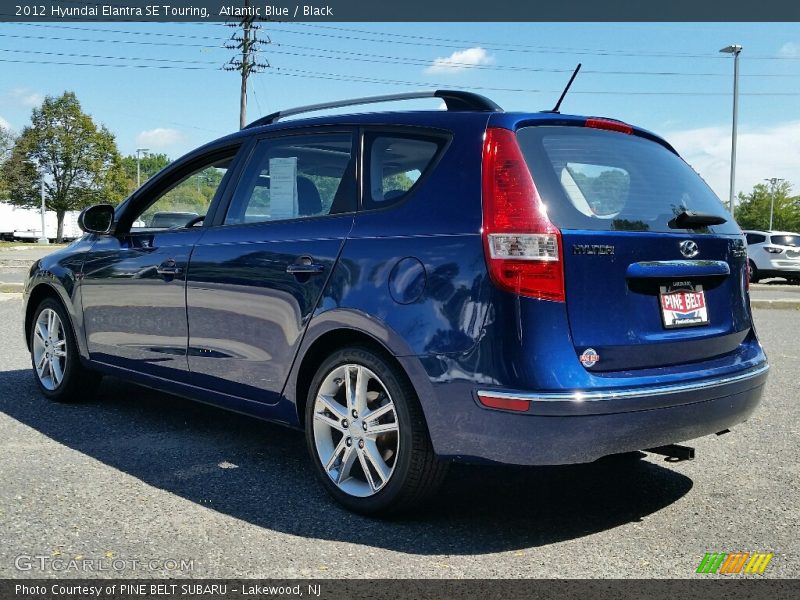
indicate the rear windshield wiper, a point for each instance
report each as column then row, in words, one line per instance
column 690, row 219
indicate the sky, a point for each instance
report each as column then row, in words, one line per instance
column 161, row 86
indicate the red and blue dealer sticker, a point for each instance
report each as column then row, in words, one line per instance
column 683, row 305
column 589, row 357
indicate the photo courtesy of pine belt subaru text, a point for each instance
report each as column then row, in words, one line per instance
column 414, row 288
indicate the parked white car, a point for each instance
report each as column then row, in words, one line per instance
column 773, row 254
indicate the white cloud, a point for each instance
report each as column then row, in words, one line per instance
column 4, row 124
column 460, row 60
column 26, row 97
column 760, row 154
column 790, row 50
column 159, row 137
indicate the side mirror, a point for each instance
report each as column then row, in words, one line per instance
column 97, row 219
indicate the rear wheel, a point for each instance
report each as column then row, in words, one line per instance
column 752, row 271
column 54, row 356
column 367, row 436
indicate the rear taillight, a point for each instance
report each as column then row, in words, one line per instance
column 523, row 248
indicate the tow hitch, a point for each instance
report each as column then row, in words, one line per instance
column 674, row 452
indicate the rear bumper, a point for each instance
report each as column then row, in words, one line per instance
column 569, row 428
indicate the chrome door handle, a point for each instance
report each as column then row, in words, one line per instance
column 305, row 265
column 168, row 269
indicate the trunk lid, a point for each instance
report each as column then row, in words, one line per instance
column 640, row 291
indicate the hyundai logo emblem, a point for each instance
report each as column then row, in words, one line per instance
column 689, row 249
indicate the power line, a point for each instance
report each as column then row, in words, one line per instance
column 499, row 45
column 504, row 46
column 380, row 58
column 383, row 59
column 122, row 31
column 71, row 55
column 368, row 79
column 112, row 41
column 417, row 40
column 121, row 66
column 386, row 59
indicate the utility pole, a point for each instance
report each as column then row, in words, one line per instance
column 249, row 44
column 773, row 185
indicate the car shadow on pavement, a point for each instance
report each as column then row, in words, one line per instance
column 260, row 473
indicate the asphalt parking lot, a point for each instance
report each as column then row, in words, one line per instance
column 135, row 476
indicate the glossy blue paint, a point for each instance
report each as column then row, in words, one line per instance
column 246, row 314
column 235, row 329
column 135, row 317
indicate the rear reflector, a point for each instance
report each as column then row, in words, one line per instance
column 609, row 124
column 523, row 248
column 514, row 404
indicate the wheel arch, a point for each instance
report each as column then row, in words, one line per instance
column 40, row 292
column 327, row 337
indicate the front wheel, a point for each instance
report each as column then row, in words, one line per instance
column 367, row 435
column 54, row 356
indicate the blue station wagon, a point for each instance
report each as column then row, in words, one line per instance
column 413, row 288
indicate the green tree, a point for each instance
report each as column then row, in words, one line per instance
column 7, row 139
column 752, row 211
column 150, row 164
column 80, row 161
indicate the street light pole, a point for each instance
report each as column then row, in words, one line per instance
column 43, row 238
column 139, row 151
column 734, row 49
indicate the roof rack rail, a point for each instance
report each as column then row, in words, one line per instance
column 455, row 100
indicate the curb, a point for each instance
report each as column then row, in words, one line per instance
column 11, row 288
column 782, row 303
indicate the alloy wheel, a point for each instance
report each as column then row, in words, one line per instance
column 49, row 349
column 356, row 430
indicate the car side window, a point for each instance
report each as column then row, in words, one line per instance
column 396, row 163
column 754, row 238
column 296, row 177
column 186, row 200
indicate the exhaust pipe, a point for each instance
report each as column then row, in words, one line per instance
column 674, row 452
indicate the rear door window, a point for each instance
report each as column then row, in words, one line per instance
column 396, row 162
column 296, row 177
column 603, row 180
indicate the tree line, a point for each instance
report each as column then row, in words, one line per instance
column 77, row 159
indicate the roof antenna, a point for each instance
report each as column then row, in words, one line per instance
column 566, row 89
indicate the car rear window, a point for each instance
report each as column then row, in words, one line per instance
column 605, row 180
column 785, row 240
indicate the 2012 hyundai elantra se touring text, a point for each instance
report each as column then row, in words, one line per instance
column 417, row 287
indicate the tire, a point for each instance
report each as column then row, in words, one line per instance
column 54, row 356
column 753, row 271
column 375, row 467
